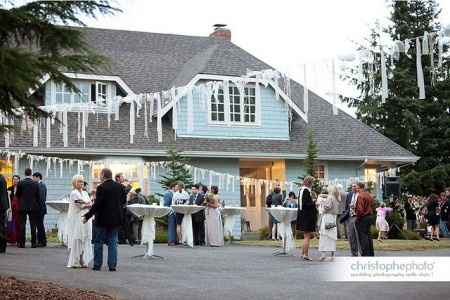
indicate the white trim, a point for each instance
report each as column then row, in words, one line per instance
column 162, row 152
column 231, row 137
column 231, row 78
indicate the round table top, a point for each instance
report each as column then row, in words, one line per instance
column 60, row 205
column 149, row 210
column 283, row 214
column 187, row 209
column 232, row 210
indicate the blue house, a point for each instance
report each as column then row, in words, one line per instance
column 253, row 131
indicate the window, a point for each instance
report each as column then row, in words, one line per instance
column 249, row 105
column 240, row 112
column 319, row 171
column 101, row 93
column 218, row 107
column 63, row 94
column 235, row 104
column 83, row 95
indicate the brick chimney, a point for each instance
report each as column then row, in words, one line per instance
column 221, row 32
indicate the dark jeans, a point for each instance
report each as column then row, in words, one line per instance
column 34, row 219
column 411, row 224
column 365, row 240
column 41, row 236
column 2, row 231
column 109, row 237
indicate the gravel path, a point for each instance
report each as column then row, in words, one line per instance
column 233, row 272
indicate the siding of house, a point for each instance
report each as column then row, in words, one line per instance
column 274, row 120
column 227, row 194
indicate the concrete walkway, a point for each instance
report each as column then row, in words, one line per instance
column 232, row 272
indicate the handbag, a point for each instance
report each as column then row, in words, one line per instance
column 9, row 214
column 329, row 226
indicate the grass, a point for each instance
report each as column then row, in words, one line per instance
column 386, row 245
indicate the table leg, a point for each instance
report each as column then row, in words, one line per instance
column 187, row 235
column 148, row 237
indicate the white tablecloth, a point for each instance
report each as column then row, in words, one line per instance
column 62, row 206
column 229, row 213
column 187, row 236
column 149, row 212
column 285, row 216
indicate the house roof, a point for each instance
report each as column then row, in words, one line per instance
column 150, row 62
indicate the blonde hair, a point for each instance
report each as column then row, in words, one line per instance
column 334, row 191
column 76, row 178
column 308, row 181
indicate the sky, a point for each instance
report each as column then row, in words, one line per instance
column 285, row 33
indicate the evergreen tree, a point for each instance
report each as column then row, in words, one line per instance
column 34, row 45
column 311, row 153
column 419, row 125
column 176, row 170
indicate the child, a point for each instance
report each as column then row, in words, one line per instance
column 381, row 223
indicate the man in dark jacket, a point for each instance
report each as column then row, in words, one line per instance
column 198, row 219
column 110, row 199
column 29, row 197
column 349, row 218
column 4, row 206
column 41, row 237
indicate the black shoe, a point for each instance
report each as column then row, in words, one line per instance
column 39, row 245
column 95, row 269
column 3, row 251
column 112, row 269
column 33, row 246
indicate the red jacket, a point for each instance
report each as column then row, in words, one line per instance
column 363, row 205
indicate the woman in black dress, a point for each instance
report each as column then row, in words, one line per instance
column 307, row 215
column 433, row 216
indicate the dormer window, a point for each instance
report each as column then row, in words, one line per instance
column 231, row 109
column 101, row 93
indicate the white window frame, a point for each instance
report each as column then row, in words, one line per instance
column 227, row 109
column 210, row 111
column 99, row 94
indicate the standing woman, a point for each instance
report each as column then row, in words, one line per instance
column 381, row 223
column 213, row 222
column 433, row 216
column 79, row 235
column 307, row 215
column 329, row 206
column 180, row 196
column 13, row 225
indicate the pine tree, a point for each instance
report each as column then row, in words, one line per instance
column 177, row 170
column 33, row 44
column 311, row 153
column 419, row 125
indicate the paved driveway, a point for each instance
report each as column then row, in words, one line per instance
column 232, row 272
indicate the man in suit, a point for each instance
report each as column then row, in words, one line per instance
column 29, row 197
column 363, row 212
column 4, row 207
column 198, row 219
column 171, row 219
column 41, row 237
column 349, row 218
column 110, row 198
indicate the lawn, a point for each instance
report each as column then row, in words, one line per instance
column 386, row 245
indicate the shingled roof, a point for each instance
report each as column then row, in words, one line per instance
column 149, row 62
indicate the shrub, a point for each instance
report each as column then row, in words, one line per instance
column 396, row 223
column 161, row 237
column 263, row 233
column 152, row 199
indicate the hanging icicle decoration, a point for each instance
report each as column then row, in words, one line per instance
column 78, row 126
column 35, row 133
column 31, row 158
column 420, row 79
column 440, row 51
column 151, row 103
column 48, row 134
column 407, row 47
column 425, row 46
column 384, row 81
column 305, row 91
column 333, row 86
column 61, row 167
column 132, row 121
column 159, row 116
column 49, row 163
column 65, row 129
column 145, row 99
column 84, row 125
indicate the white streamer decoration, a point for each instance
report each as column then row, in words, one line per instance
column 35, row 133
column 65, row 122
column 425, row 47
column 384, row 81
column 132, row 122
column 440, row 51
column 407, row 47
column 49, row 163
column 48, row 134
column 61, row 167
column 333, row 87
column 145, row 98
column 159, row 116
column 420, row 80
column 78, row 126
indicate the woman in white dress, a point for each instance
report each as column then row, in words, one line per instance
column 79, row 235
column 213, row 219
column 329, row 208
